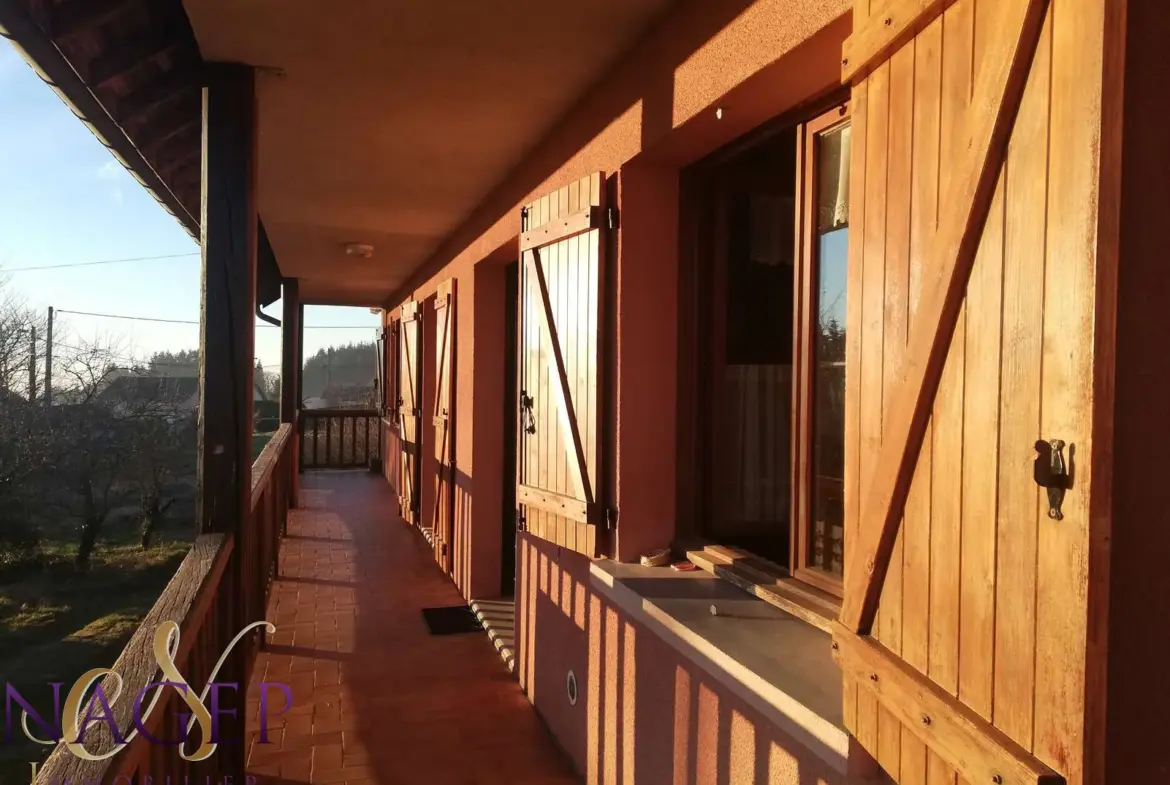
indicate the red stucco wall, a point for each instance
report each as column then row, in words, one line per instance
column 644, row 713
column 653, row 115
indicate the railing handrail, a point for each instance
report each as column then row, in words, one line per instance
column 184, row 601
column 266, row 461
column 223, row 578
column 341, row 412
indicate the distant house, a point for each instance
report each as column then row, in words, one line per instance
column 175, row 397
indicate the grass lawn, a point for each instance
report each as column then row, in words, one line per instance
column 259, row 440
column 56, row 622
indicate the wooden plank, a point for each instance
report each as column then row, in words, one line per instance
column 917, row 517
column 562, row 226
column 946, row 484
column 1067, row 384
column 997, row 97
column 980, row 454
column 899, row 171
column 859, row 111
column 872, row 326
column 1025, row 224
column 556, row 503
column 977, row 750
column 888, row 29
column 566, row 415
column 773, row 594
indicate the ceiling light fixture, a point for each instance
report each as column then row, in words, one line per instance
column 358, row 249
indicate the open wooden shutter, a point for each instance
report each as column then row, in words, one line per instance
column 380, row 372
column 443, row 524
column 559, row 449
column 409, row 410
column 937, row 87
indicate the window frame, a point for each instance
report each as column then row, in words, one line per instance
column 804, row 350
column 698, row 286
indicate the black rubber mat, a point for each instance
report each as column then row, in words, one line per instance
column 451, row 621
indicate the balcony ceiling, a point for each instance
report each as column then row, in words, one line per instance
column 385, row 122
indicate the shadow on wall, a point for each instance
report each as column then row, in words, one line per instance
column 668, row 44
column 643, row 713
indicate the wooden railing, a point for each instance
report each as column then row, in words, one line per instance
column 339, row 438
column 221, row 586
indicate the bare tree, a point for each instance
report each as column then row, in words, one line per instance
column 19, row 351
column 95, row 443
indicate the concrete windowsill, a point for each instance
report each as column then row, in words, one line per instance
column 778, row 664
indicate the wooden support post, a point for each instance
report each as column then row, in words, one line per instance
column 300, row 429
column 290, row 372
column 229, row 234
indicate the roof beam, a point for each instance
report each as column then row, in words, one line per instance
column 34, row 45
column 179, row 150
column 182, row 117
column 121, row 60
column 79, row 16
column 155, row 95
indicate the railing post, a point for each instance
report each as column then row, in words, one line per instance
column 229, row 242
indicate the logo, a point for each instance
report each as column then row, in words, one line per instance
column 90, row 702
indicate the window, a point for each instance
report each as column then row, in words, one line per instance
column 769, row 294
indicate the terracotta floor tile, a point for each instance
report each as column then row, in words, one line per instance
column 376, row 699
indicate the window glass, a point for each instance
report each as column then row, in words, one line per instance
column 831, row 249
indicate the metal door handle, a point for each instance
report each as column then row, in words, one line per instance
column 1051, row 472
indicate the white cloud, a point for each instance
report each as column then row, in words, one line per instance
column 111, row 170
column 116, row 175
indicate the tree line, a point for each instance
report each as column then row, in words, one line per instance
column 113, row 439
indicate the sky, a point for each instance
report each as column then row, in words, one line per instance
column 64, row 199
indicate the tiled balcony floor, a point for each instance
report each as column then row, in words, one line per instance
column 376, row 698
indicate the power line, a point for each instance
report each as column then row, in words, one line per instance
column 190, row 321
column 101, row 261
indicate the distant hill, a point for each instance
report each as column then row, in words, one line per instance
column 341, row 367
column 345, row 366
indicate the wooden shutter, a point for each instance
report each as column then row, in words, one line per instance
column 381, row 375
column 443, row 524
column 409, row 410
column 562, row 407
column 936, row 94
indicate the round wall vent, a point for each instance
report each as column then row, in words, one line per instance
column 571, row 687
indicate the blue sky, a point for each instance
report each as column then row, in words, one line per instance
column 65, row 199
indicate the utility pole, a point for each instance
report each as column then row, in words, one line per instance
column 49, row 361
column 32, row 365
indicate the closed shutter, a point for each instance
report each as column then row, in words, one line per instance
column 409, row 409
column 444, row 423
column 560, row 449
column 934, row 103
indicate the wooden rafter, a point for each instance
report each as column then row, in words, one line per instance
column 121, row 60
column 976, row 749
column 177, row 151
column 952, row 252
column 578, row 467
column 179, row 84
column 178, row 125
column 80, row 16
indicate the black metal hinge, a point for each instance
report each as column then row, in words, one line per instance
column 521, row 521
column 611, row 515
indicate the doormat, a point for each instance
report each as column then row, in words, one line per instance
column 451, row 621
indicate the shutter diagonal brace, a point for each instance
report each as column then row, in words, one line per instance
column 578, row 467
column 994, row 105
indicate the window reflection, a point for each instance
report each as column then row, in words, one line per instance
column 831, row 247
